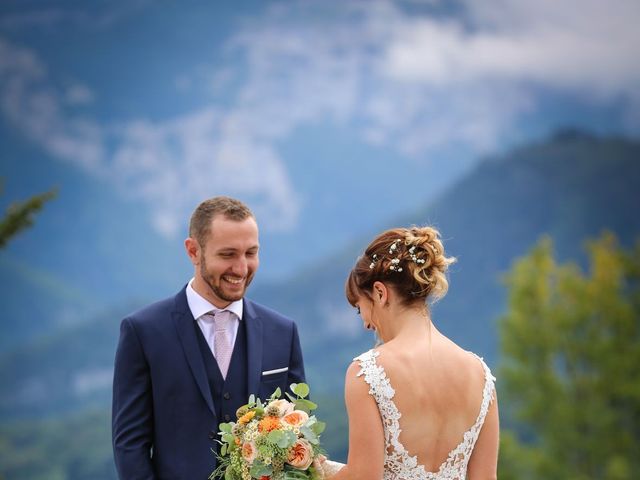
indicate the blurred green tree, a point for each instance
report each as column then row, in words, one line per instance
column 570, row 368
column 20, row 215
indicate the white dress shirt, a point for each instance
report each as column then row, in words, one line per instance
column 199, row 306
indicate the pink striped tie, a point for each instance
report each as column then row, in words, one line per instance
column 221, row 344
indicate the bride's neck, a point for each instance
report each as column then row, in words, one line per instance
column 408, row 325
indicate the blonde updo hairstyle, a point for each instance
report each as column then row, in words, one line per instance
column 411, row 260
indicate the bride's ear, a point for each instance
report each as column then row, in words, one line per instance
column 380, row 293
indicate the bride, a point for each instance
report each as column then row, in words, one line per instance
column 419, row 406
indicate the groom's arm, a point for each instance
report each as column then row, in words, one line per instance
column 296, row 363
column 132, row 416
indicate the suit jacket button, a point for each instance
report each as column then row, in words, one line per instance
column 227, row 417
column 226, row 395
column 212, row 435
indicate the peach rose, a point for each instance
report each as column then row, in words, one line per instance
column 297, row 418
column 249, row 452
column 280, row 407
column 301, row 455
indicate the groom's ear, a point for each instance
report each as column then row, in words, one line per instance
column 192, row 247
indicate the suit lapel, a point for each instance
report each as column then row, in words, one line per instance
column 183, row 320
column 254, row 347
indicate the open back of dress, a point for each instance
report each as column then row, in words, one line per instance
column 399, row 465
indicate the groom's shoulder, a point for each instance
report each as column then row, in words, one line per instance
column 154, row 312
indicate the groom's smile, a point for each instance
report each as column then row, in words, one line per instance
column 234, row 281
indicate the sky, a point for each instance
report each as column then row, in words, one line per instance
column 327, row 117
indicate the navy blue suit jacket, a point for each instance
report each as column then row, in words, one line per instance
column 164, row 421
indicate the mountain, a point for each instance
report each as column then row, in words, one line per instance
column 572, row 187
column 95, row 244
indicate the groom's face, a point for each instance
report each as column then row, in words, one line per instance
column 229, row 259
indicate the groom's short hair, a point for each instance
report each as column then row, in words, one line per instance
column 230, row 208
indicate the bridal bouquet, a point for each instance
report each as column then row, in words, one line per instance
column 277, row 440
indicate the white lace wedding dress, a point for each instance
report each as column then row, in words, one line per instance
column 398, row 464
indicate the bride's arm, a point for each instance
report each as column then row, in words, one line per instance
column 366, row 434
column 483, row 464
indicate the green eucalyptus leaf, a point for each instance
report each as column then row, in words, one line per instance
column 259, row 469
column 318, row 427
column 276, row 394
column 290, row 397
column 300, row 389
column 309, row 435
column 301, row 406
column 275, row 436
column 288, row 439
column 305, row 405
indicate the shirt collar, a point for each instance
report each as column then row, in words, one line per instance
column 199, row 305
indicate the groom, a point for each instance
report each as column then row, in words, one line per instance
column 185, row 364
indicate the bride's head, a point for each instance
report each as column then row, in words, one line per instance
column 401, row 267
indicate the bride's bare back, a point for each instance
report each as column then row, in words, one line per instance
column 438, row 391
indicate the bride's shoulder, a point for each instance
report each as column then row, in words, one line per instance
column 363, row 364
column 368, row 356
column 358, row 375
column 485, row 367
column 478, row 365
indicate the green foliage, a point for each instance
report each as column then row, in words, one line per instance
column 571, row 365
column 300, row 389
column 20, row 215
column 71, row 448
column 301, row 403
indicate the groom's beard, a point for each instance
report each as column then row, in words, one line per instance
column 216, row 284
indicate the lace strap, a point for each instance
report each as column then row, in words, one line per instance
column 375, row 376
column 487, row 393
column 382, row 391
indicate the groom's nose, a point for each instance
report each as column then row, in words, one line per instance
column 240, row 267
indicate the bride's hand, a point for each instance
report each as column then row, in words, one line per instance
column 328, row 467
column 319, row 464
